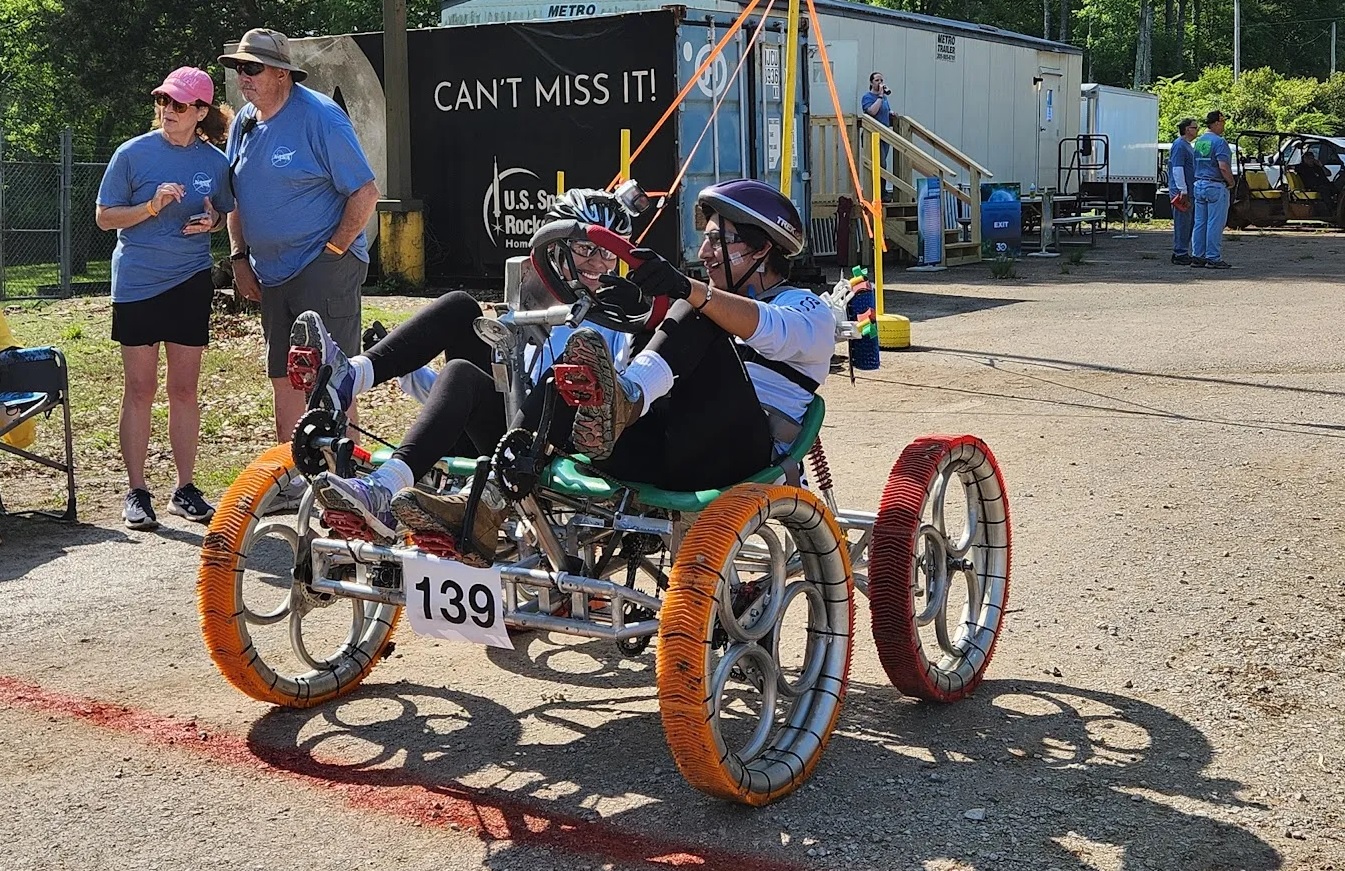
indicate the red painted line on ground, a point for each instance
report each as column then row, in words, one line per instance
column 490, row 814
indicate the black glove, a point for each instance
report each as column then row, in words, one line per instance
column 658, row 277
column 622, row 293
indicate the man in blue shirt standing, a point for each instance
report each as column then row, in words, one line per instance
column 1181, row 189
column 305, row 192
column 874, row 104
column 1214, row 179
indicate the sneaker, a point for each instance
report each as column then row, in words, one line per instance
column 1197, row 263
column 1181, row 260
column 189, row 502
column 138, row 510
column 362, row 496
column 308, row 333
column 423, row 511
column 1218, row 264
column 597, row 427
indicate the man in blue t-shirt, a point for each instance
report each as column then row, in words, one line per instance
column 1181, row 189
column 1214, row 179
column 874, row 104
column 305, row 191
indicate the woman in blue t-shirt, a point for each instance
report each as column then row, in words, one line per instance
column 164, row 192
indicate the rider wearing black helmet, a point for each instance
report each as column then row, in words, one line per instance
column 713, row 420
column 461, row 400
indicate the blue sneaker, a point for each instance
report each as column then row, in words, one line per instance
column 362, row 496
column 309, row 335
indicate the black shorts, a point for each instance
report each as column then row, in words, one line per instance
column 180, row 315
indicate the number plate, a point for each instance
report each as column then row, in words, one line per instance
column 446, row 599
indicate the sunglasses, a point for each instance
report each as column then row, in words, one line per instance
column 249, row 67
column 163, row 101
column 714, row 237
column 588, row 249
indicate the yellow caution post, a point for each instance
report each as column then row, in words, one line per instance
column 894, row 331
column 401, row 245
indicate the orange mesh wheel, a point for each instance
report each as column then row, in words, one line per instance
column 754, row 643
column 941, row 541
column 246, row 555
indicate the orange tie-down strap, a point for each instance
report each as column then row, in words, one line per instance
column 686, row 89
column 709, row 123
column 869, row 207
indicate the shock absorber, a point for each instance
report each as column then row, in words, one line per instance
column 821, row 469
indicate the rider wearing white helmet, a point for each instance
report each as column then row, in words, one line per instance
column 463, row 413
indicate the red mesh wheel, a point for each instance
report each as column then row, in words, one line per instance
column 939, row 567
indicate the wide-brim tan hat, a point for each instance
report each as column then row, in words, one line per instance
column 264, row 46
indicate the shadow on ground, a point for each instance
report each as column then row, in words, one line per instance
column 1063, row 775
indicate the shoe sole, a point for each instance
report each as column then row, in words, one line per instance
column 594, row 431
column 173, row 508
column 140, row 524
column 408, row 511
column 335, row 500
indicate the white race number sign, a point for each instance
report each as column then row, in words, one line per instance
column 446, row 599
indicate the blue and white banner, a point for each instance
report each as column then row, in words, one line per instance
column 931, row 221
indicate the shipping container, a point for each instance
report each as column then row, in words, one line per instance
column 498, row 110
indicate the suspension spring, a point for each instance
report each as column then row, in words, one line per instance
column 817, row 461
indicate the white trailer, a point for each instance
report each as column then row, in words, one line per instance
column 998, row 97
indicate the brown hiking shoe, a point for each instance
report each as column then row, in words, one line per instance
column 597, row 427
column 422, row 511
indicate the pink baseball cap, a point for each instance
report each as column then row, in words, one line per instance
column 188, row 85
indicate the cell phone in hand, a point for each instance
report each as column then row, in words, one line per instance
column 201, row 218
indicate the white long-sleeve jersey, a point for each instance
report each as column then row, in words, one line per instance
column 797, row 328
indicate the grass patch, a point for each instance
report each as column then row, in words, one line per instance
column 235, row 396
column 1002, row 268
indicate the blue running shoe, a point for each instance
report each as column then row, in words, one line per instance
column 311, row 347
column 362, row 496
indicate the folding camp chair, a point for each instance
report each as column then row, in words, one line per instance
column 34, row 381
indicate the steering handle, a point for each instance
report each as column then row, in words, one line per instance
column 618, row 245
column 571, row 230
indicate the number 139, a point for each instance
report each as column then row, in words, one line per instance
column 480, row 603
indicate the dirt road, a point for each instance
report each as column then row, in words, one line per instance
column 1166, row 694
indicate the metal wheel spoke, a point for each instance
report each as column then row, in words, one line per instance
column 938, row 492
column 814, row 657
column 763, row 609
column 934, row 563
column 738, row 656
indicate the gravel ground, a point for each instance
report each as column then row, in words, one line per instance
column 1165, row 694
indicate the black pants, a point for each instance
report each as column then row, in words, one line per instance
column 464, row 415
column 709, row 432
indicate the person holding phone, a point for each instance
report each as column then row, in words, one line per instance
column 874, row 104
column 164, row 192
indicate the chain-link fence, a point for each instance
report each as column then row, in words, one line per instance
column 49, row 243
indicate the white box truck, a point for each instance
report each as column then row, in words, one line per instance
column 1115, row 158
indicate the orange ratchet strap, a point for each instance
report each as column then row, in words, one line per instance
column 686, row 89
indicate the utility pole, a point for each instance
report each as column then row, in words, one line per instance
column 1237, row 39
column 1333, row 48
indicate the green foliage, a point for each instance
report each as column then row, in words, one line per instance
column 90, row 64
column 1261, row 99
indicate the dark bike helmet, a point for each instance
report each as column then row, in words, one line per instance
column 751, row 203
column 748, row 202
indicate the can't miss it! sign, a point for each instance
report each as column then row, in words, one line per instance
column 498, row 109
